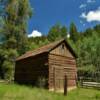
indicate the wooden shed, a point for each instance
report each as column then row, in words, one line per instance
column 54, row 62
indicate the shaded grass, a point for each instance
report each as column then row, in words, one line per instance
column 16, row 92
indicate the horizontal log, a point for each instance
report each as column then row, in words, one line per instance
column 71, row 58
column 60, row 59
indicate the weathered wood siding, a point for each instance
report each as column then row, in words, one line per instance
column 62, row 50
column 61, row 63
column 29, row 70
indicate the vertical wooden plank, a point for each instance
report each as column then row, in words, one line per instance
column 65, row 85
column 54, row 78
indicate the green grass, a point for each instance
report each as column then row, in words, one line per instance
column 16, row 92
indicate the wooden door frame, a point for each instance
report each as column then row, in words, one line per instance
column 54, row 78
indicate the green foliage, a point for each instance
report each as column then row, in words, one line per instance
column 42, row 82
column 74, row 35
column 14, row 31
column 15, row 24
column 97, row 29
column 7, row 57
column 57, row 32
column 89, row 55
column 37, row 42
column 88, row 32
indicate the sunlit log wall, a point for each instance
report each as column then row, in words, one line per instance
column 61, row 63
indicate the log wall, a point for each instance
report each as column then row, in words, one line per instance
column 61, row 63
column 29, row 70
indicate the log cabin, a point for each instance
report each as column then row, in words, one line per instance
column 53, row 63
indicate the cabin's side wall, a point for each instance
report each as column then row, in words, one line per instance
column 28, row 71
column 61, row 63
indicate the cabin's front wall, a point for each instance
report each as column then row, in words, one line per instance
column 28, row 71
column 61, row 63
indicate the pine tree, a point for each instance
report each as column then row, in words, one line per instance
column 15, row 27
column 57, row 32
column 15, row 16
column 74, row 35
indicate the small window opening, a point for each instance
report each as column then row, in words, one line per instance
column 63, row 46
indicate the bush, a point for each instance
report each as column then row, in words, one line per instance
column 42, row 82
